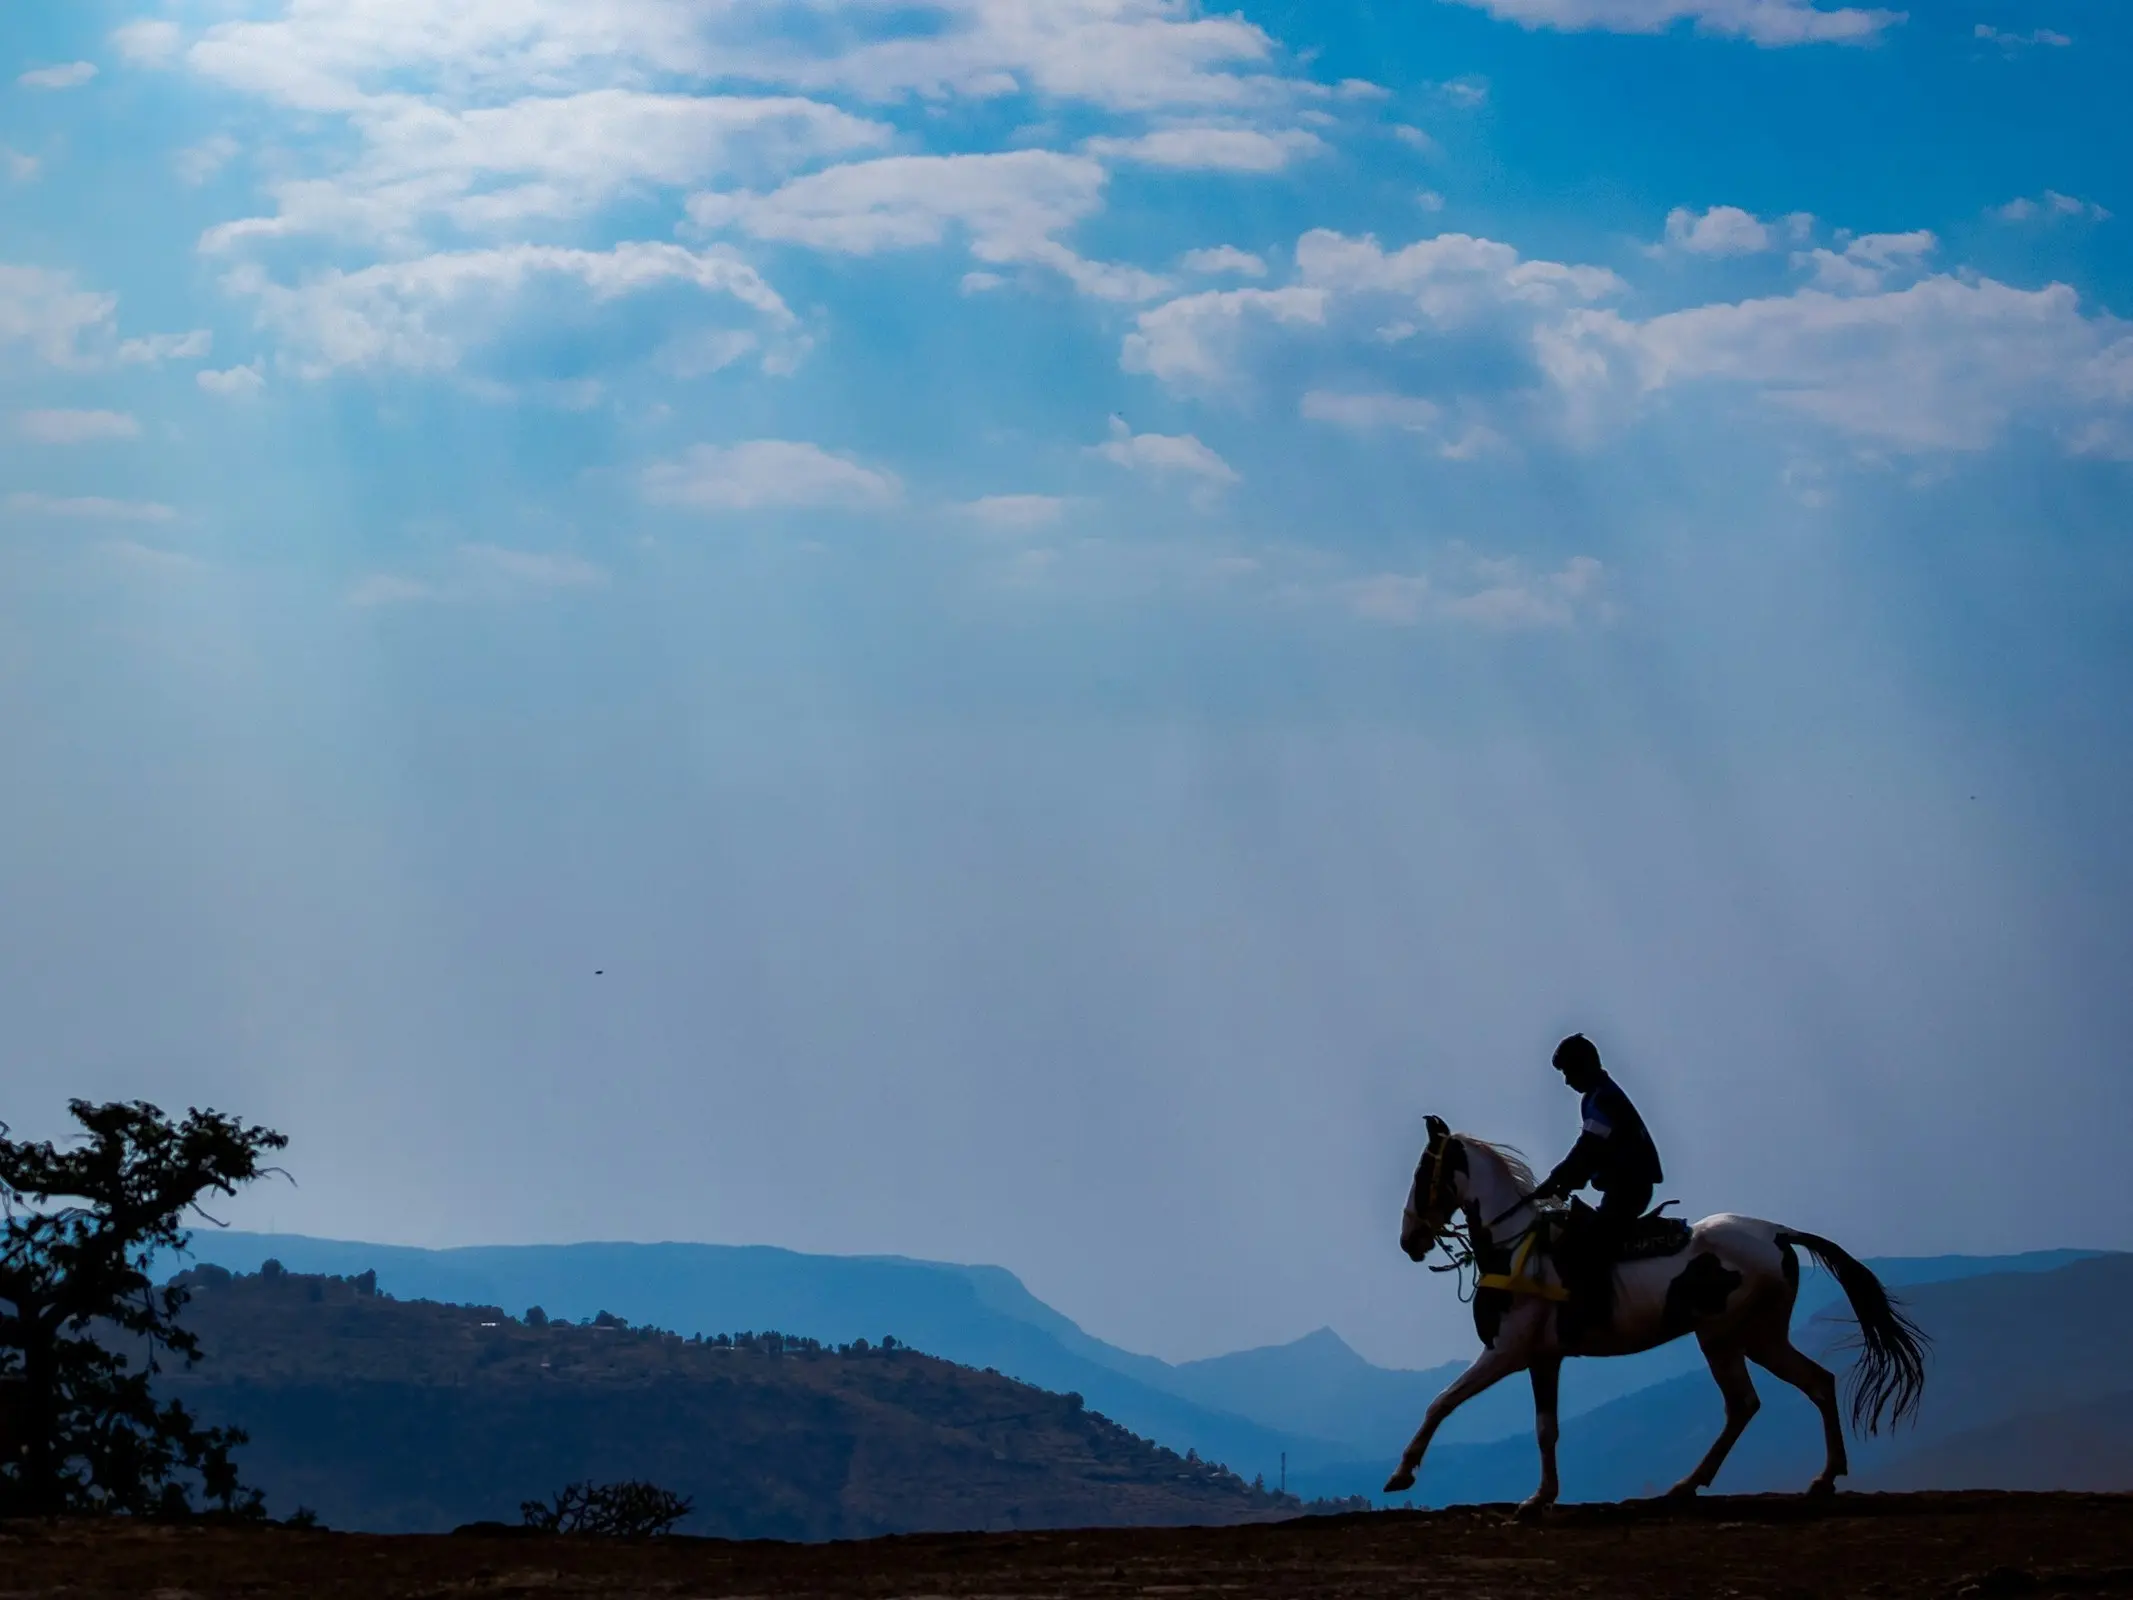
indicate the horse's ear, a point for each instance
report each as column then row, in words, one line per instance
column 1439, row 1129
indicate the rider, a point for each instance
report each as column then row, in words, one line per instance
column 1615, row 1154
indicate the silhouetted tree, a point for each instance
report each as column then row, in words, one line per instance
column 608, row 1511
column 536, row 1317
column 82, row 1226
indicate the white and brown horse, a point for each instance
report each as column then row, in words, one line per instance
column 1732, row 1285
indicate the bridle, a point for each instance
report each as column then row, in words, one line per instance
column 1456, row 1238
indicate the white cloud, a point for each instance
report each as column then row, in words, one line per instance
column 1447, row 279
column 1191, row 342
column 1367, row 412
column 160, row 347
column 71, row 75
column 1944, row 364
column 1212, row 148
column 149, row 561
column 92, row 508
column 2051, row 206
column 1430, row 200
column 1415, row 139
column 1465, row 93
column 1011, row 204
column 709, row 350
column 149, row 41
column 1132, row 55
column 75, row 427
column 1166, row 455
column 43, row 311
column 1720, row 231
column 1867, row 262
column 1221, row 259
column 535, row 568
column 234, row 382
column 1016, row 513
column 545, row 156
column 2012, row 42
column 1485, row 592
column 20, row 168
column 1764, row 22
column 424, row 313
column 767, row 474
column 196, row 164
column 980, row 282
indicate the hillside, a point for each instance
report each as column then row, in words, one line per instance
column 978, row 1316
column 2016, row 1357
column 412, row 1416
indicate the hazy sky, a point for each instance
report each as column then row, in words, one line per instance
column 1089, row 607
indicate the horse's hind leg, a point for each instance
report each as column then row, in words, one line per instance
column 1730, row 1367
column 1778, row 1357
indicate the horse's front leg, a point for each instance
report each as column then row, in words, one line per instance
column 1490, row 1367
column 1546, row 1372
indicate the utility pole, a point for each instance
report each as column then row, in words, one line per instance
column 1284, row 1472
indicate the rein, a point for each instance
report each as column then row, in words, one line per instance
column 1457, row 1241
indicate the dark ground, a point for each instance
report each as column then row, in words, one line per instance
column 1754, row 1548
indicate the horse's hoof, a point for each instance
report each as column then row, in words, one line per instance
column 1403, row 1479
column 1821, row 1487
column 1684, row 1490
column 1530, row 1509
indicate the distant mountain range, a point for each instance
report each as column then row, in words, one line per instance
column 1337, row 1418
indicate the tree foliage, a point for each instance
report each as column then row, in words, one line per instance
column 83, row 1329
column 630, row 1510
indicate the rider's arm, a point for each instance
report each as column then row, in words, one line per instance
column 1576, row 1169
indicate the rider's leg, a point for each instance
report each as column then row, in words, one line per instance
column 1494, row 1364
column 1730, row 1367
column 1546, row 1373
column 1815, row 1381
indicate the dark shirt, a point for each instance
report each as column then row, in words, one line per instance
column 1614, row 1149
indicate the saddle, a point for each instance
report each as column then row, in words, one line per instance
column 1653, row 1235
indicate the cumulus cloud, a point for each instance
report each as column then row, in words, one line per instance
column 70, row 75
column 1015, row 513
column 1126, row 55
column 1720, row 231
column 1945, row 363
column 768, row 474
column 46, row 315
column 89, row 508
column 545, row 157
column 233, row 382
column 76, row 427
column 1010, row 204
column 1191, row 342
column 1771, row 23
column 20, row 168
column 1867, row 262
column 424, row 313
column 2051, row 206
column 1167, row 455
column 1223, row 259
column 1212, row 148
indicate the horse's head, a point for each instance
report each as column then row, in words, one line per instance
column 1439, row 1190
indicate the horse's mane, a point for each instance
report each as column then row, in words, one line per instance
column 1521, row 1172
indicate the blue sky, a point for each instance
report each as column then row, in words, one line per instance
column 1085, row 607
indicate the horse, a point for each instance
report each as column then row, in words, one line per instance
column 1732, row 1285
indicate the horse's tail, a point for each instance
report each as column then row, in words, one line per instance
column 1891, row 1372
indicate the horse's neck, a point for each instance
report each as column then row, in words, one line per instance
column 1499, row 1204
